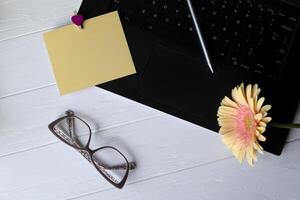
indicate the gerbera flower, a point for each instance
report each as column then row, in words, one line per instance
column 243, row 120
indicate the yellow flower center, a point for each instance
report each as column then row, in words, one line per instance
column 249, row 122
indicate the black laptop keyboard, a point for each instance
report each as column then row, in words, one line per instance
column 242, row 33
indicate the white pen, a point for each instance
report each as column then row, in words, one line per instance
column 200, row 35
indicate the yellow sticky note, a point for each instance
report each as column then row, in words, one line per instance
column 86, row 57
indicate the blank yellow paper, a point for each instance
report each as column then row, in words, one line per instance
column 96, row 54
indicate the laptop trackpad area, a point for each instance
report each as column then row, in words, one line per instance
column 181, row 82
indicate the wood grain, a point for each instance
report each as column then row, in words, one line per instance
column 24, row 65
column 20, row 17
column 222, row 179
column 159, row 146
column 25, row 117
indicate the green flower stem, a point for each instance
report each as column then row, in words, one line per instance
column 284, row 125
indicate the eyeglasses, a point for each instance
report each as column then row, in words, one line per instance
column 109, row 161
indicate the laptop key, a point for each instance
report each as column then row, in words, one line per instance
column 291, row 22
column 246, row 33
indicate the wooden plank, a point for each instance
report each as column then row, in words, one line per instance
column 159, row 146
column 272, row 178
column 21, row 123
column 19, row 17
column 25, row 117
column 24, row 65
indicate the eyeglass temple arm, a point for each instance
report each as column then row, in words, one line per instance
column 132, row 165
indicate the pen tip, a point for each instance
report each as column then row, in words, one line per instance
column 210, row 67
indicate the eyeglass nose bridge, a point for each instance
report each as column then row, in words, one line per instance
column 87, row 153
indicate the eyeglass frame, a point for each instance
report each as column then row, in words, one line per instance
column 89, row 156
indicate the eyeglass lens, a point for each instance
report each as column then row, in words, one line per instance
column 73, row 131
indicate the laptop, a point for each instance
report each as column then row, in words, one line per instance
column 249, row 41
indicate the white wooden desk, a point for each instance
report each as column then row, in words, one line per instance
column 176, row 159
